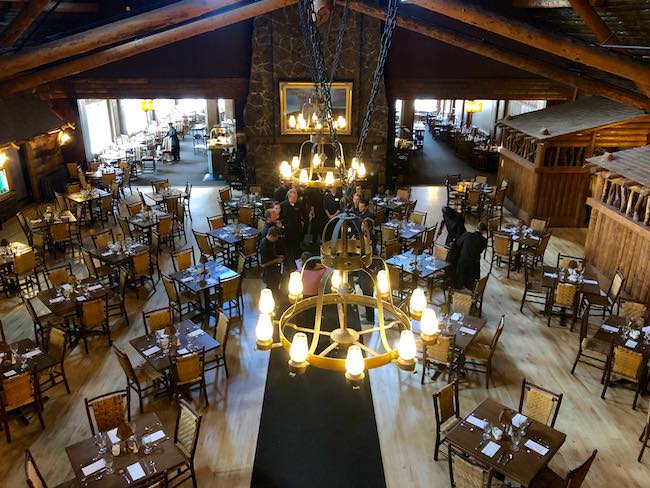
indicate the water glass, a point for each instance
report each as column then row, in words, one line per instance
column 487, row 430
column 146, row 445
column 100, row 441
column 108, row 459
column 516, row 439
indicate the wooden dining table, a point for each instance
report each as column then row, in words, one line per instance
column 612, row 330
column 36, row 359
column 86, row 196
column 158, row 197
column 424, row 265
column 97, row 175
column 146, row 222
column 64, row 307
column 538, row 446
column 8, row 253
column 165, row 456
column 114, row 256
column 191, row 337
column 48, row 219
column 390, row 205
column 405, row 228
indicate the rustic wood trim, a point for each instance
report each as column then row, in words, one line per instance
column 22, row 22
column 615, row 214
column 600, row 29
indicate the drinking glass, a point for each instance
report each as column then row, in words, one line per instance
column 487, row 430
column 516, row 439
column 108, row 459
column 146, row 445
column 100, row 441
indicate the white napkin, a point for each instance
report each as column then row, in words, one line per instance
column 467, row 330
column 136, row 471
column 590, row 282
column 112, row 436
column 9, row 373
column 516, row 238
column 57, row 300
column 631, row 344
column 519, row 419
column 182, row 351
column 609, row 328
column 491, row 449
column 195, row 333
column 37, row 221
column 81, row 298
column 535, row 238
column 538, row 448
column 475, row 421
column 107, row 253
column 187, row 279
column 159, row 434
column 151, row 351
column 95, row 287
column 455, row 316
column 646, row 329
column 94, row 467
column 551, row 275
column 33, row 353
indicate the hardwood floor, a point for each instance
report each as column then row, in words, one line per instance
column 404, row 409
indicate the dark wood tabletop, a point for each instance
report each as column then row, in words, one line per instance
column 8, row 253
column 194, row 280
column 47, row 219
column 248, row 202
column 115, row 257
column 142, row 221
column 405, row 228
column 520, row 236
column 391, row 204
column 84, row 196
column 526, row 463
column 613, row 329
column 461, row 329
column 233, row 233
column 36, row 362
column 165, row 456
column 159, row 360
column 63, row 307
column 427, row 265
column 551, row 275
column 158, row 197
column 97, row 175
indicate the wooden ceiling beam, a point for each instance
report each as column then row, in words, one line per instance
column 567, row 47
column 589, row 15
column 61, row 7
column 550, row 3
column 504, row 56
column 22, row 22
column 108, row 34
column 139, row 46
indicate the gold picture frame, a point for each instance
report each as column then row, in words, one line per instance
column 293, row 94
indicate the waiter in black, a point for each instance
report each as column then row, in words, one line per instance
column 291, row 215
column 271, row 261
column 466, row 254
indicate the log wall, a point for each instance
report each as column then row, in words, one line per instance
column 522, row 182
column 43, row 157
column 615, row 241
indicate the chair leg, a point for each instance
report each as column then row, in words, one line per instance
column 645, row 435
column 606, row 384
column 437, row 448
column 5, row 426
column 65, row 381
column 575, row 363
column 523, row 300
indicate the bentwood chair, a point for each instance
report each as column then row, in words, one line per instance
column 93, row 320
column 441, row 355
column 183, row 259
column 108, row 411
column 501, row 251
column 58, row 276
column 218, row 357
column 56, row 348
column 539, row 404
column 18, row 392
column 478, row 356
column 188, row 370
column 186, row 437
column 465, row 473
column 628, row 365
column 645, row 437
column 591, row 348
column 534, row 292
column 547, row 478
column 34, row 478
column 446, row 406
column 143, row 379
column 157, row 319
column 607, row 302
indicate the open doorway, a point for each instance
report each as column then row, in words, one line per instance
column 181, row 140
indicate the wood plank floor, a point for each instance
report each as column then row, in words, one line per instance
column 403, row 408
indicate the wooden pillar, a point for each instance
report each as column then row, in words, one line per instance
column 408, row 113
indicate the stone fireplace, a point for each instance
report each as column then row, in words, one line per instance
column 279, row 55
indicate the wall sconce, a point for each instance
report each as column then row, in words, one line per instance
column 3, row 159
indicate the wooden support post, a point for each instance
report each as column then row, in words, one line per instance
column 139, row 46
column 483, row 48
column 22, row 22
column 108, row 34
column 566, row 47
column 587, row 13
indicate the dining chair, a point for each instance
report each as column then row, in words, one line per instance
column 403, row 193
column 392, row 248
column 93, row 166
column 58, row 276
column 401, row 287
column 134, row 208
column 218, row 357
column 100, row 272
column 466, row 473
column 225, row 194
column 61, row 236
column 245, row 216
column 495, row 203
column 538, row 403
column 41, row 322
column 117, row 302
column 606, row 303
column 207, row 249
column 179, row 223
column 188, row 370
column 3, row 338
column 473, row 200
column 165, row 229
column 93, row 320
column 645, row 437
column 249, row 249
column 183, row 259
column 141, row 270
column 628, row 365
column 215, row 222
column 534, row 255
column 231, row 299
column 478, row 355
column 632, row 310
column 159, row 185
column 388, row 234
column 534, row 292
column 591, row 348
column 108, row 411
column 34, row 478
column 565, row 261
column 160, row 318
column 418, row 218
column 178, row 300
column 126, row 180
column 186, row 199
column 72, row 169
column 61, row 202
column 56, row 348
column 539, row 226
column 170, row 204
column 18, row 392
column 425, row 243
column 71, row 188
column 547, row 478
column 459, row 302
column 441, row 355
column 501, row 251
column 446, row 406
column 24, row 276
column 477, row 295
column 564, row 296
column 108, row 179
column 186, row 437
column 127, row 231
column 106, row 208
column 102, row 239
column 143, row 379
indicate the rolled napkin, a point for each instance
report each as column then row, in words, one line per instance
column 538, row 448
column 475, row 421
column 491, row 449
column 135, row 471
column 467, row 330
column 195, row 333
column 153, row 437
column 93, row 467
column 57, row 300
column 610, row 328
column 33, row 353
column 551, row 275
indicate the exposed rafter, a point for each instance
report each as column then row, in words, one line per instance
column 581, row 52
column 600, row 29
column 528, row 64
column 108, row 34
column 22, row 22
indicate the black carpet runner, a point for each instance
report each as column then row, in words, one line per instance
column 316, row 430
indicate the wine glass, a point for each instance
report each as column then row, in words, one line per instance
column 487, row 430
column 108, row 459
column 146, row 445
column 516, row 439
column 100, row 441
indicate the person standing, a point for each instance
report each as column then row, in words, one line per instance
column 363, row 210
column 271, row 262
column 176, row 143
column 466, row 254
column 280, row 193
column 272, row 219
column 454, row 222
column 292, row 219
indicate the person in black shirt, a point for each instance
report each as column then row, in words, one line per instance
column 354, row 208
column 466, row 255
column 280, row 193
column 314, row 199
column 292, row 219
column 272, row 217
column 331, row 203
column 363, row 211
column 455, row 224
column 271, row 262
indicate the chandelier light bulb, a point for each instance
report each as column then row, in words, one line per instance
column 64, row 137
column 355, row 164
column 314, row 118
column 295, row 285
column 417, row 303
column 285, row 169
column 329, row 178
column 292, row 122
column 319, row 126
column 302, row 123
column 351, row 174
column 295, row 163
column 337, row 162
column 406, row 350
column 264, row 330
column 383, row 283
column 304, row 177
column 337, row 279
column 266, row 303
column 299, row 348
column 362, row 170
column 335, row 124
column 354, row 364
column 341, row 122
column 316, row 160
column 429, row 323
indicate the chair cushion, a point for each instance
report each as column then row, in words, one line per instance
column 547, row 478
column 599, row 300
column 595, row 345
column 147, row 374
column 478, row 352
